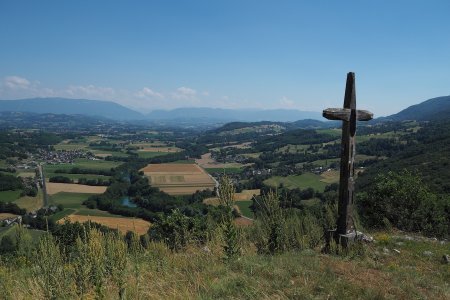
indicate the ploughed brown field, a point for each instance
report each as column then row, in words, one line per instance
column 122, row 224
column 54, row 188
column 178, row 179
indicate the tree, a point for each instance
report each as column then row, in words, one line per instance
column 402, row 199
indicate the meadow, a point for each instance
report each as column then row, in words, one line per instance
column 9, row 196
column 303, row 181
column 376, row 271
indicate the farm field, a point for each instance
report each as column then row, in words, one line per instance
column 83, row 163
column 75, row 177
column 9, row 196
column 245, row 195
column 69, row 200
column 161, row 149
column 122, row 224
column 148, row 154
column 306, row 180
column 4, row 216
column 207, row 162
column 244, row 208
column 224, row 170
column 10, row 231
column 73, row 205
column 31, row 203
column 178, row 179
column 54, row 188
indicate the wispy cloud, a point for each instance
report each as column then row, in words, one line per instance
column 184, row 93
column 16, row 82
column 148, row 93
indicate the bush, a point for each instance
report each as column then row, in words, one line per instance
column 403, row 200
column 60, row 179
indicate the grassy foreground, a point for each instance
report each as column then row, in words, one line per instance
column 201, row 273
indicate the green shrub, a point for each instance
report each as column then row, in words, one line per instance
column 403, row 200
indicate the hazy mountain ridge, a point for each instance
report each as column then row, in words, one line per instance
column 435, row 108
column 230, row 115
column 431, row 109
column 94, row 108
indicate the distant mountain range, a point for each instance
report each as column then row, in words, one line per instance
column 114, row 111
column 229, row 115
column 436, row 108
column 432, row 109
column 85, row 107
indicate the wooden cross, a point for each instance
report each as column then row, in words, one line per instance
column 349, row 115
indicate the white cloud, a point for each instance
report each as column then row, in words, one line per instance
column 16, row 82
column 148, row 93
column 184, row 93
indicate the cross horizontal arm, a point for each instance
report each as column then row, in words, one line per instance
column 344, row 114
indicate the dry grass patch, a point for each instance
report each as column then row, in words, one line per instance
column 122, row 224
column 245, row 195
column 54, row 188
column 4, row 216
column 329, row 177
column 31, row 203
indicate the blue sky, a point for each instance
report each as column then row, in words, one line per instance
column 234, row 54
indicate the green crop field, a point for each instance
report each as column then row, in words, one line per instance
column 75, row 177
column 83, row 164
column 148, row 154
column 96, row 213
column 69, row 200
column 224, row 170
column 62, row 214
column 303, row 181
column 64, row 146
column 184, row 161
column 244, row 207
column 73, row 204
column 9, row 196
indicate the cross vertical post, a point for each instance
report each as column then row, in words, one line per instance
column 349, row 115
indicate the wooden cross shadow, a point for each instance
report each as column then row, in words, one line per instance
column 349, row 115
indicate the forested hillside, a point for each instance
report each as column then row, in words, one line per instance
column 428, row 153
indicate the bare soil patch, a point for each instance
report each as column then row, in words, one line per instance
column 122, row 224
column 54, row 188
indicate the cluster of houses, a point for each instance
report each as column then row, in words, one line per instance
column 33, row 215
column 62, row 156
column 11, row 221
column 229, row 158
